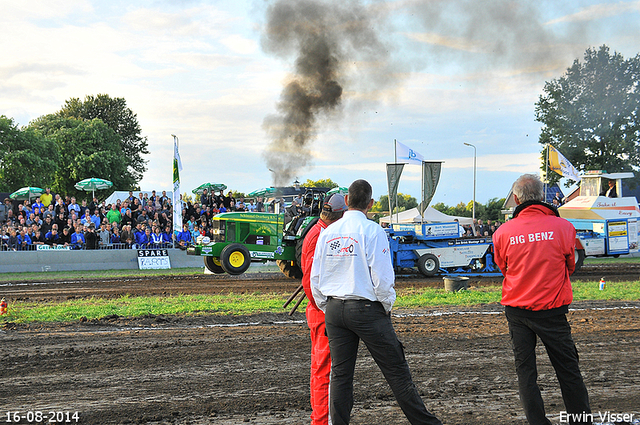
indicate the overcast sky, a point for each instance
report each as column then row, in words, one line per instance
column 431, row 74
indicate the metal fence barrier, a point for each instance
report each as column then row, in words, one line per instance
column 38, row 247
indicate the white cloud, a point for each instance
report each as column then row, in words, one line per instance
column 599, row 11
column 240, row 44
column 38, row 9
column 457, row 43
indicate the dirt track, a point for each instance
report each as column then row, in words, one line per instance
column 222, row 370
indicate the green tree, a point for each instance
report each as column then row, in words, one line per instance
column 320, row 183
column 117, row 116
column 87, row 149
column 459, row 210
column 26, row 158
column 405, row 202
column 489, row 211
column 492, row 209
column 187, row 197
column 591, row 114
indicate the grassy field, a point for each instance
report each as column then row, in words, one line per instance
column 111, row 274
column 239, row 304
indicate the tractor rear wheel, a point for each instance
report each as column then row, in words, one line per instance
column 235, row 259
column 213, row 265
column 290, row 269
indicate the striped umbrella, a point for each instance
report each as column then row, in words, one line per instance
column 211, row 187
column 340, row 190
column 26, row 193
column 93, row 184
column 261, row 192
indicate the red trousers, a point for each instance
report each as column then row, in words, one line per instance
column 320, row 367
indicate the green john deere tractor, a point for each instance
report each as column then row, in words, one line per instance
column 238, row 238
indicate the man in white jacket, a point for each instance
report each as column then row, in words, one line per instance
column 352, row 281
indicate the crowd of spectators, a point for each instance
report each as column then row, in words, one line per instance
column 142, row 221
column 482, row 229
column 139, row 221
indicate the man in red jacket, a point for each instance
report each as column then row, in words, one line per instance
column 332, row 211
column 535, row 251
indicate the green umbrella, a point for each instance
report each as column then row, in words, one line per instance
column 26, row 193
column 211, row 187
column 261, row 192
column 340, row 190
column 93, row 184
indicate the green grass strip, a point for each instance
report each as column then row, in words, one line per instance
column 242, row 304
column 95, row 274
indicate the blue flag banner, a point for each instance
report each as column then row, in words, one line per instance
column 407, row 155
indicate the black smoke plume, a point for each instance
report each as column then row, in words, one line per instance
column 324, row 37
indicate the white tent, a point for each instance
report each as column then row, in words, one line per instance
column 431, row 215
column 123, row 194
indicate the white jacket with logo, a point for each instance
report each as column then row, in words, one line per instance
column 353, row 261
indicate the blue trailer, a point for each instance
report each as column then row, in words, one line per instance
column 437, row 249
column 604, row 238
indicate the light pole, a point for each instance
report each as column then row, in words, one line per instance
column 474, row 181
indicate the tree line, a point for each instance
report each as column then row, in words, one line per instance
column 95, row 137
column 489, row 211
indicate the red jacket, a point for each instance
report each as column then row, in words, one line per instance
column 535, row 252
column 308, row 249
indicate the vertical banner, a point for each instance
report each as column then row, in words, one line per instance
column 430, row 179
column 393, row 179
column 177, row 203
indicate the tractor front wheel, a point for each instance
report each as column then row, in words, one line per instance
column 235, row 259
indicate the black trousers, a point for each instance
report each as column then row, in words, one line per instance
column 347, row 322
column 555, row 334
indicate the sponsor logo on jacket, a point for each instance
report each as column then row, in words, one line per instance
column 341, row 246
column 531, row 237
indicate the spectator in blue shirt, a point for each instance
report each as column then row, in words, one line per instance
column 125, row 207
column 156, row 238
column 166, row 236
column 52, row 238
column 184, row 238
column 38, row 204
column 95, row 218
column 144, row 239
column 115, row 236
column 86, row 219
column 77, row 239
column 73, row 206
column 24, row 241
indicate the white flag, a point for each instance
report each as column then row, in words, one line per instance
column 407, row 155
column 177, row 204
column 561, row 165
